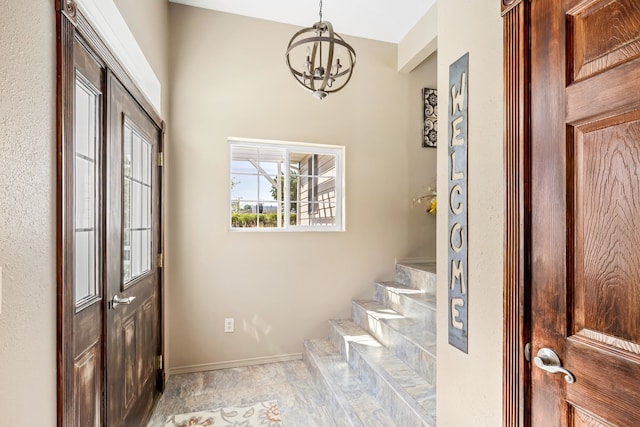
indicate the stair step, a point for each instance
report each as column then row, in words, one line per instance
column 406, row 396
column 353, row 405
column 418, row 275
column 412, row 303
column 408, row 339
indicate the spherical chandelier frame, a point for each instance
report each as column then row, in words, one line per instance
column 319, row 73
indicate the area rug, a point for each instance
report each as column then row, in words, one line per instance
column 264, row 414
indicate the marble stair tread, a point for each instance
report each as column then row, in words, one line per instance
column 411, row 397
column 360, row 407
column 417, row 295
column 411, row 329
column 428, row 266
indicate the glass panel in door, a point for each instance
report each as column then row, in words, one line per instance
column 85, row 160
column 137, row 191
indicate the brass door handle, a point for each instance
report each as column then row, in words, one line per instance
column 116, row 301
column 549, row 361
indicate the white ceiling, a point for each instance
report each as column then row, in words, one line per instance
column 383, row 20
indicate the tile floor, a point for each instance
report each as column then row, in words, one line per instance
column 289, row 383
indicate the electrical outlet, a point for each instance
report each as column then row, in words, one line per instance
column 228, row 324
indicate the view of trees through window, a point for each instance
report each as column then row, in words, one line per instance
column 284, row 186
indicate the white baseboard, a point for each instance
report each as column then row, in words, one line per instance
column 233, row 364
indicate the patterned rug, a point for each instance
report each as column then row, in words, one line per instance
column 264, row 414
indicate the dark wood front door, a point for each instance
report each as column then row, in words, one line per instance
column 109, row 236
column 585, row 204
column 132, row 249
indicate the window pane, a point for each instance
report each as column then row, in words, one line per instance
column 244, row 187
column 242, row 166
column 82, row 262
column 326, row 189
column 271, row 168
column 136, row 205
column 268, row 192
column 270, row 155
column 268, row 215
column 146, row 163
column 136, row 158
column 146, row 207
column 326, row 165
column 127, row 157
column 137, row 192
column 265, row 186
column 85, row 190
column 136, row 253
column 126, row 256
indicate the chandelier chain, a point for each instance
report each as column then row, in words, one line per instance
column 320, row 11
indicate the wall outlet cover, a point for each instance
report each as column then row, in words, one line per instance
column 229, row 324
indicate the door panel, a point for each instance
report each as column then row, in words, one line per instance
column 603, row 35
column 586, row 210
column 133, row 230
column 84, row 236
column 88, row 385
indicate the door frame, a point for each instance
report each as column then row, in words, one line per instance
column 71, row 24
column 516, row 373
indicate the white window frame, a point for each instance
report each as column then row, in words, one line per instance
column 297, row 147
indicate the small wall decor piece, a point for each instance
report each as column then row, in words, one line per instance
column 430, row 117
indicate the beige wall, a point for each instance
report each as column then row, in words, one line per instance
column 469, row 386
column 229, row 78
column 27, row 212
column 421, row 162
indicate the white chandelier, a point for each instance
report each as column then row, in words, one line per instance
column 315, row 55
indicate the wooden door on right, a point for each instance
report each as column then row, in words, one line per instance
column 133, row 244
column 585, row 186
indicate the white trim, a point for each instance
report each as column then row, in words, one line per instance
column 234, row 364
column 106, row 19
column 311, row 146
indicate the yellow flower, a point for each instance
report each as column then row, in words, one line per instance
column 434, row 206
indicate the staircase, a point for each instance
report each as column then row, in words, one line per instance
column 379, row 368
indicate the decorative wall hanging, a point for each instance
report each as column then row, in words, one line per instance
column 457, row 278
column 430, row 117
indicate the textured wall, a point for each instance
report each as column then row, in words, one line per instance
column 474, row 380
column 280, row 287
column 27, row 213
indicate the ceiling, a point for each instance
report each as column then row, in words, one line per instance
column 387, row 21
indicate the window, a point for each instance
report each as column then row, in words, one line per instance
column 285, row 186
column 86, row 184
column 136, row 253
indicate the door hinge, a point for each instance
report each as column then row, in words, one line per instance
column 160, row 260
column 159, row 362
column 527, row 351
column 160, row 158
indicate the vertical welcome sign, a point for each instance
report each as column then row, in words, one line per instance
column 457, row 203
